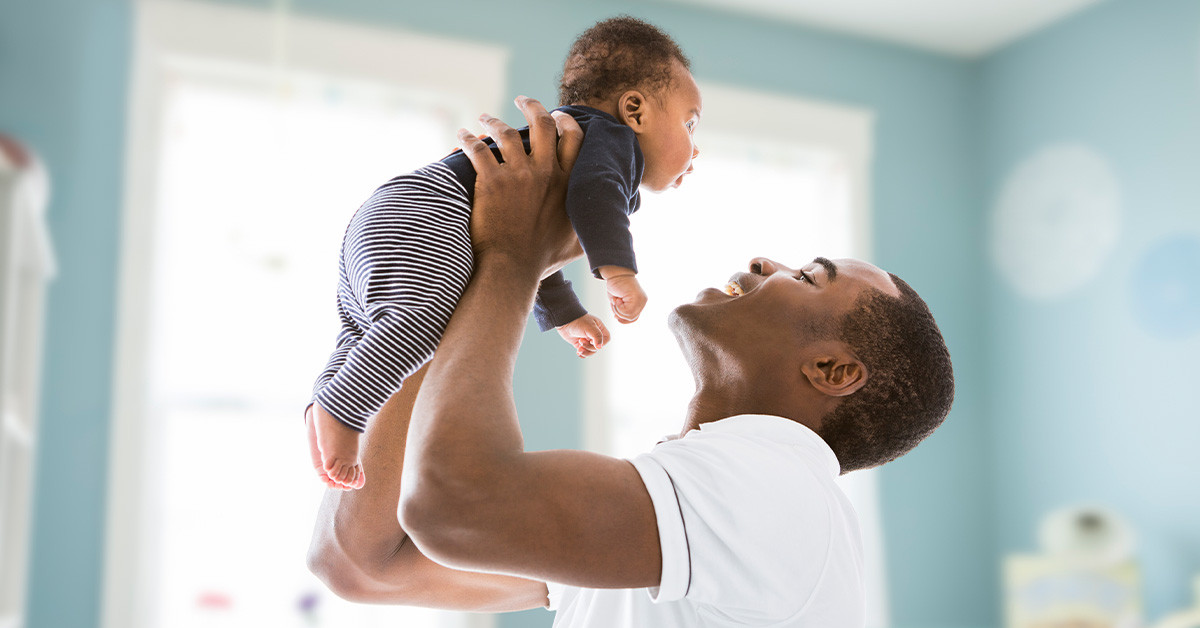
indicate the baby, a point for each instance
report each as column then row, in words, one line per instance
column 406, row 256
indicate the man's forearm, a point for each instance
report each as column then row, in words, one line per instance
column 465, row 420
column 473, row 499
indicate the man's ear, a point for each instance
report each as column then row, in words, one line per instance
column 631, row 109
column 836, row 374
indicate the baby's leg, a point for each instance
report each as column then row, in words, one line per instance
column 334, row 449
column 406, row 260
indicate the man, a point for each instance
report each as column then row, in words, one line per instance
column 801, row 374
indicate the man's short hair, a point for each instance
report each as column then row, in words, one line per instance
column 617, row 55
column 910, row 381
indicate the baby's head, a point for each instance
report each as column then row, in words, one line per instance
column 637, row 73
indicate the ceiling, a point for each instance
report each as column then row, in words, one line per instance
column 967, row 28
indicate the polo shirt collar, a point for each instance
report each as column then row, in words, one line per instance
column 780, row 430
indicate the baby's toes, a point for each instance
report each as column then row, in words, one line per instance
column 338, row 472
column 360, row 477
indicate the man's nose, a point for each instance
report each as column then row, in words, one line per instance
column 764, row 266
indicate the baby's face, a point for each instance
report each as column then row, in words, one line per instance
column 667, row 143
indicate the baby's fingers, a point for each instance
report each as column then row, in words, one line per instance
column 598, row 333
column 625, row 313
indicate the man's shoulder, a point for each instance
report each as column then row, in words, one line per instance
column 750, row 515
column 764, row 432
column 743, row 459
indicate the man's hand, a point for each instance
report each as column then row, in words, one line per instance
column 586, row 333
column 520, row 215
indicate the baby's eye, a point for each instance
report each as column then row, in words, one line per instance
column 691, row 124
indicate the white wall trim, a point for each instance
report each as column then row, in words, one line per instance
column 196, row 38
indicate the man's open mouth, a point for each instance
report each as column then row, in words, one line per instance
column 734, row 289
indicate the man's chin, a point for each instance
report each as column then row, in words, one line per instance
column 680, row 317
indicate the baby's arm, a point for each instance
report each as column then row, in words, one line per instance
column 557, row 307
column 603, row 192
column 625, row 293
column 586, row 333
column 556, row 303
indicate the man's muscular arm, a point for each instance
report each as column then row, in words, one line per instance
column 473, row 499
column 361, row 551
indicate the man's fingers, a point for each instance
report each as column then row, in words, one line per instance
column 477, row 152
column 570, row 138
column 507, row 138
column 543, row 130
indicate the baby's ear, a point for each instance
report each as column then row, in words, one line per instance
column 631, row 108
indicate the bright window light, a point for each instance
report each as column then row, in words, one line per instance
column 746, row 199
column 256, row 188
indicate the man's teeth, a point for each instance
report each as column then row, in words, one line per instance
column 733, row 289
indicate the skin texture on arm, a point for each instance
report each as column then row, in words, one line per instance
column 474, row 498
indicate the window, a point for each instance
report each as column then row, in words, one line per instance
column 245, row 171
column 776, row 177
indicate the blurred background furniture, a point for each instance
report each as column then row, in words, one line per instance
column 26, row 265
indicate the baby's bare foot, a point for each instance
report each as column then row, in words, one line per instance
column 337, row 446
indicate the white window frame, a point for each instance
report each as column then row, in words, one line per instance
column 173, row 34
column 842, row 130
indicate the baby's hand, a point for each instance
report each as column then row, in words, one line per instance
column 626, row 297
column 334, row 450
column 586, row 333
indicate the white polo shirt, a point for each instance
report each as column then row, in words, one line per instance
column 753, row 531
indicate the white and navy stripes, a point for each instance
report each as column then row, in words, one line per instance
column 406, row 260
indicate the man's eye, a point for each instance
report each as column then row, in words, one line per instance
column 801, row 277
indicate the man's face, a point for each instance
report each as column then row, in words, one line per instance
column 773, row 310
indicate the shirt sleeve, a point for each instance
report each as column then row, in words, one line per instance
column 603, row 191
column 556, row 303
column 744, row 530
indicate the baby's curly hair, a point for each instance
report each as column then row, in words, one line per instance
column 616, row 55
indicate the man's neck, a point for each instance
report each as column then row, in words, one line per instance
column 716, row 402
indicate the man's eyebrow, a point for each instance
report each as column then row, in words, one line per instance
column 830, row 267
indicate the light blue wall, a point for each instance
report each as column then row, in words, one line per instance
column 1095, row 391
column 63, row 77
column 64, row 86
